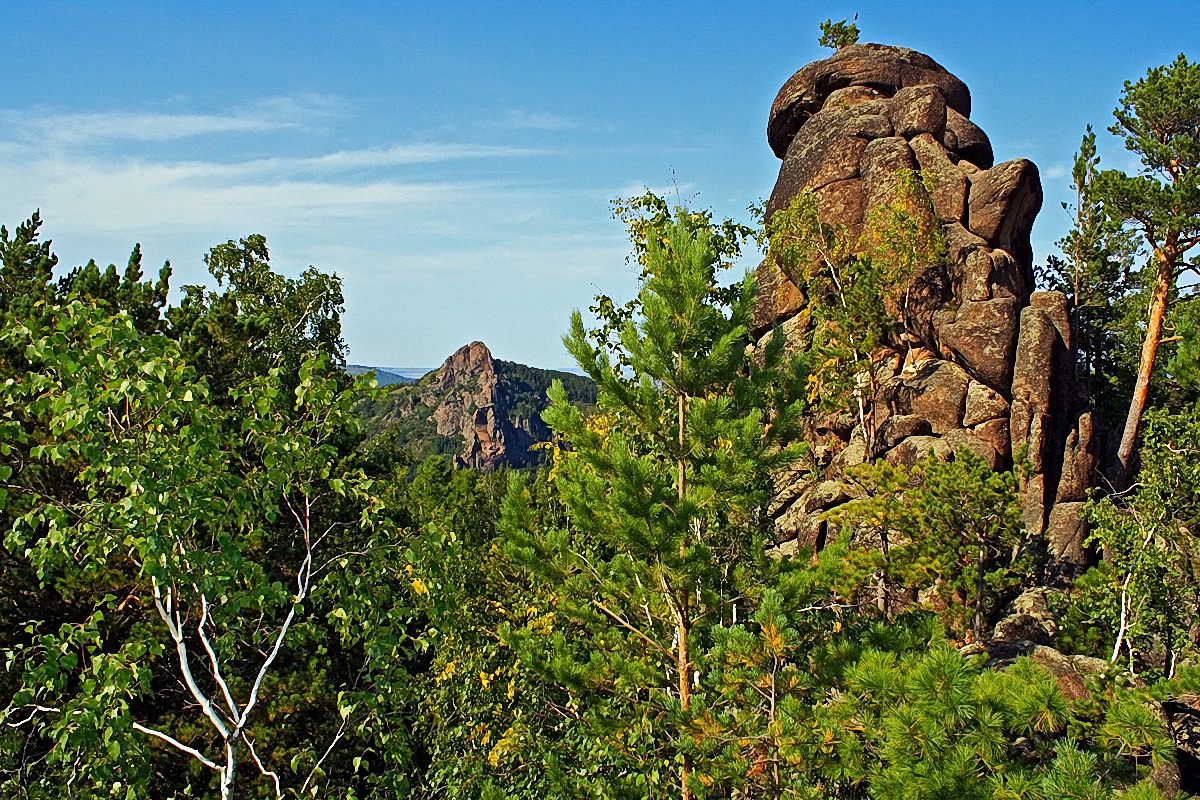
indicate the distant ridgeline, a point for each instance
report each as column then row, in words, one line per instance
column 483, row 411
column 382, row 376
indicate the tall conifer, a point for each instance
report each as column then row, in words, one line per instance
column 664, row 488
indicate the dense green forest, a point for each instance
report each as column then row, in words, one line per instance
column 212, row 584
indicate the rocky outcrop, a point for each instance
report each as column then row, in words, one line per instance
column 467, row 402
column 484, row 411
column 986, row 362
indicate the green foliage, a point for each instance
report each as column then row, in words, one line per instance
column 165, row 538
column 935, row 725
column 482, row 722
column 664, row 489
column 1159, row 119
column 837, row 35
column 27, row 268
column 1100, row 282
column 1184, row 365
column 260, row 321
column 952, row 529
column 532, row 384
column 643, row 217
column 1147, row 595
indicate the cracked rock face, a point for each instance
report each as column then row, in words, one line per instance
column 989, row 364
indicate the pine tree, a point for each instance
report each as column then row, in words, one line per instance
column 1159, row 119
column 665, row 490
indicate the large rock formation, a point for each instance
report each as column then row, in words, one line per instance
column 987, row 362
column 484, row 411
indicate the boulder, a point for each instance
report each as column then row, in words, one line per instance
column 966, row 139
column 828, row 149
column 1033, row 505
column 949, row 190
column 900, row 427
column 982, row 335
column 1032, row 372
column 935, row 391
column 990, row 274
column 777, row 300
column 1002, row 204
column 1007, row 279
column 1079, row 462
column 1029, row 619
column 792, row 330
column 789, row 486
column 841, row 204
column 983, row 403
column 976, row 285
column 960, row 242
column 826, row 494
column 1055, row 305
column 995, row 432
column 1066, row 531
column 805, row 530
column 851, row 455
column 919, row 110
column 964, row 438
column 879, row 67
column 917, row 448
column 880, row 167
column 1070, row 672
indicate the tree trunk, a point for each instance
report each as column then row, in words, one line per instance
column 682, row 657
column 1158, row 309
column 230, row 771
column 679, row 460
column 684, row 668
column 979, row 594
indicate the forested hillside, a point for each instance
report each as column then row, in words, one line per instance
column 900, row 514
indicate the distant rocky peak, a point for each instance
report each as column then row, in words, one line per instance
column 469, row 361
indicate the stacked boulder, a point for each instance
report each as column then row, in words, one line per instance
column 987, row 363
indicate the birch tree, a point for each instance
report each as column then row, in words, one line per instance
column 172, row 508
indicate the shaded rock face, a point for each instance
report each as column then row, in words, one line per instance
column 987, row 363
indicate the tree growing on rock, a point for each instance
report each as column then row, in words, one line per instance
column 857, row 289
column 837, row 35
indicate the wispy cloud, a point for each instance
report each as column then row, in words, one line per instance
column 517, row 119
column 272, row 114
column 1056, row 171
column 418, row 225
column 399, row 155
column 62, row 162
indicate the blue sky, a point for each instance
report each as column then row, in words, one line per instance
column 453, row 162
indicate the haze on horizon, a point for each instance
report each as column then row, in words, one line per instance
column 454, row 162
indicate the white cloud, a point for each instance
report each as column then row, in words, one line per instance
column 399, row 155
column 90, row 194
